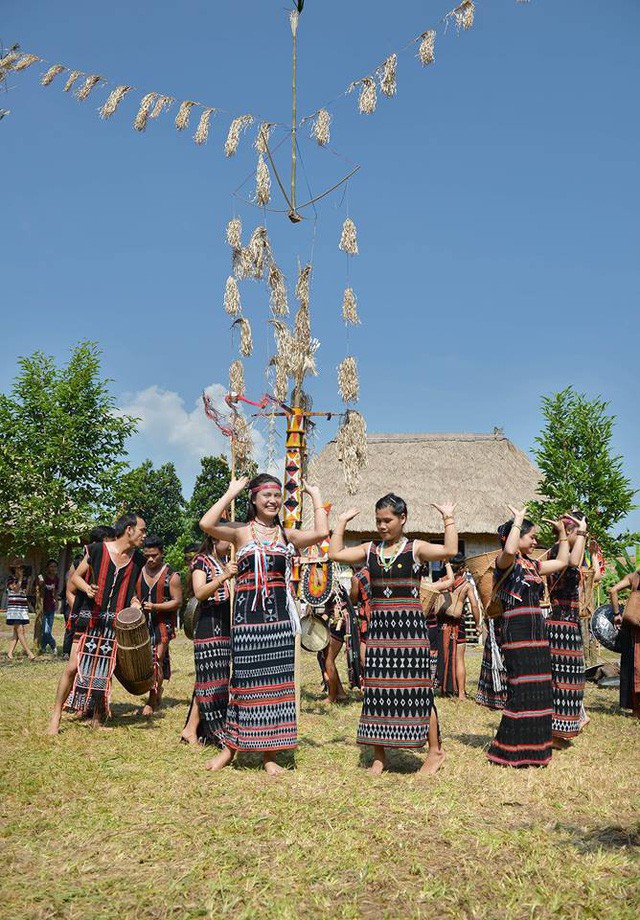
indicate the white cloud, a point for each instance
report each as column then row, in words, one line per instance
column 169, row 431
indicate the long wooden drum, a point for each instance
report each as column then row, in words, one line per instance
column 134, row 658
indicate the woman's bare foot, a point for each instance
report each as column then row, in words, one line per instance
column 433, row 762
column 54, row 725
column 188, row 738
column 221, row 760
column 9, row 656
column 31, row 656
column 147, row 710
column 377, row 767
column 271, row 767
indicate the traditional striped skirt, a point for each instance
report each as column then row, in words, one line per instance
column 523, row 738
column 492, row 684
column 212, row 654
column 567, row 672
column 398, row 691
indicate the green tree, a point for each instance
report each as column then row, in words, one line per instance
column 156, row 494
column 210, row 485
column 62, row 443
column 579, row 469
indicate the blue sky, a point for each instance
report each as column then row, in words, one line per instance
column 496, row 208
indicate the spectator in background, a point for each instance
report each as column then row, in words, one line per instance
column 18, row 609
column 49, row 586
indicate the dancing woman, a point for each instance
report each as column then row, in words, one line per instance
column 261, row 715
column 523, row 738
column 211, row 644
column 398, row 691
column 630, row 639
column 565, row 637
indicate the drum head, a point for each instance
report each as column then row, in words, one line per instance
column 130, row 616
column 604, row 629
column 315, row 633
column 317, row 583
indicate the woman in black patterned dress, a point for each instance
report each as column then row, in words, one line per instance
column 261, row 714
column 523, row 738
column 398, row 691
column 211, row 644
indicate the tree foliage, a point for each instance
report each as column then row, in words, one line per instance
column 579, row 469
column 62, row 441
column 210, row 485
column 156, row 495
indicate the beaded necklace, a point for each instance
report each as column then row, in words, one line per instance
column 271, row 541
column 386, row 562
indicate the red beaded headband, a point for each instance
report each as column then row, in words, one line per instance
column 266, row 485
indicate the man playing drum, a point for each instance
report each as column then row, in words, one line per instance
column 105, row 582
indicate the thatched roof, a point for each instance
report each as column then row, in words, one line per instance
column 481, row 472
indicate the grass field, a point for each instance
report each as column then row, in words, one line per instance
column 125, row 822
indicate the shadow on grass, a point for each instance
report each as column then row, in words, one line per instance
column 308, row 741
column 471, row 740
column 609, row 837
column 398, row 761
column 250, row 761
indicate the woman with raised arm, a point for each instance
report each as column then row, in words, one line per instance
column 630, row 641
column 398, row 691
column 523, row 738
column 261, row 713
column 565, row 636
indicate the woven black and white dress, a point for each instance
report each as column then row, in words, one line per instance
column 398, row 691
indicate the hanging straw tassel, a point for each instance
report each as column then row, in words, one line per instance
column 234, row 233
column 51, row 74
column 388, row 84
column 26, row 61
column 113, row 101
column 71, row 79
column 302, row 325
column 263, row 183
column 349, row 238
column 232, row 303
column 303, row 286
column 368, row 98
column 236, row 376
column 463, row 14
column 241, row 263
column 162, row 103
column 281, row 384
column 85, row 90
column 202, row 131
column 351, row 448
column 246, row 339
column 142, row 117
column 278, row 296
column 238, row 125
column 350, row 308
column 257, row 250
column 243, row 441
column 262, row 138
column 7, row 62
column 427, row 49
column 348, row 380
column 321, row 128
column 184, row 113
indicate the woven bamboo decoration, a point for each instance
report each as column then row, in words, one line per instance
column 348, row 383
column 427, row 49
column 232, row 303
column 113, row 101
column 26, row 61
column 202, row 131
column 234, row 233
column 85, row 90
column 142, row 117
column 236, row 376
column 278, row 291
column 51, row 74
column 246, row 339
column 303, row 286
column 321, row 128
column 184, row 113
column 71, row 79
column 349, row 238
column 388, row 84
column 351, row 448
column 162, row 103
column 350, row 308
column 263, row 183
column 238, row 125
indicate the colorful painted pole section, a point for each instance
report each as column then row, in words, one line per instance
column 293, row 467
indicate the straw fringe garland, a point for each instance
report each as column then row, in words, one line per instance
column 246, row 339
column 184, row 113
column 278, row 296
column 427, row 49
column 234, row 233
column 350, row 308
column 26, row 61
column 162, row 103
column 85, row 90
column 71, row 79
column 348, row 383
column 236, row 376
column 388, row 84
column 463, row 14
column 142, row 117
column 51, row 74
column 303, row 286
column 232, row 303
column 368, row 98
column 202, row 131
column 351, row 447
column 113, row 101
column 321, row 128
column 262, row 139
column 238, row 125
column 349, row 238
column 7, row 62
column 263, row 183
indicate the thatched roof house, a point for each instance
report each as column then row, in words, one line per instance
column 483, row 473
